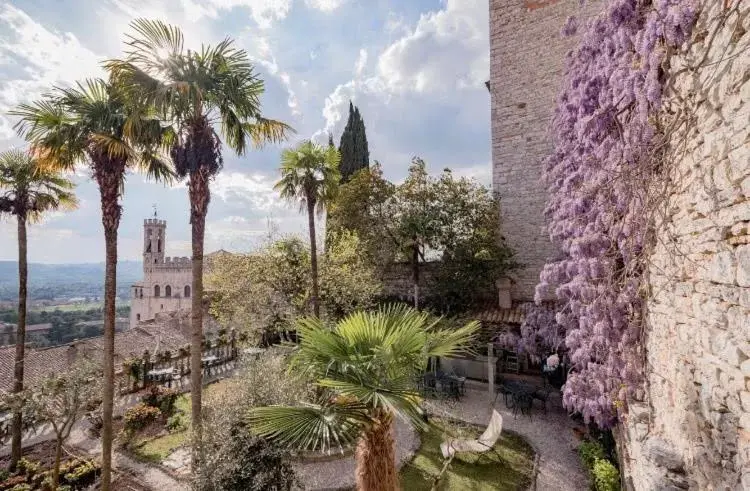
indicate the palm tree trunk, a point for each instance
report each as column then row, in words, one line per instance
column 108, row 177
column 313, row 256
column 376, row 456
column 17, row 428
column 200, row 195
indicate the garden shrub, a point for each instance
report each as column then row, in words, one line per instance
column 140, row 416
column 589, row 452
column 261, row 382
column 22, row 487
column 605, row 476
column 28, row 467
column 162, row 398
column 603, row 473
column 12, row 482
column 82, row 473
column 254, row 465
column 176, row 423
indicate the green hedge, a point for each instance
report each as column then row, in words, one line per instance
column 604, row 475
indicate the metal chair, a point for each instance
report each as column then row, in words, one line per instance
column 522, row 402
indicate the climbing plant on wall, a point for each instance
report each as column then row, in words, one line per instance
column 607, row 132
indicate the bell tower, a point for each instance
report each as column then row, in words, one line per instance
column 154, row 241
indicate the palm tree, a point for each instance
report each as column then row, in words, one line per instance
column 310, row 175
column 367, row 364
column 95, row 123
column 195, row 90
column 27, row 191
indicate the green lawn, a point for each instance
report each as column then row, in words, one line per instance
column 510, row 470
column 157, row 449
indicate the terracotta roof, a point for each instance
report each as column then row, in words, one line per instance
column 515, row 315
column 128, row 344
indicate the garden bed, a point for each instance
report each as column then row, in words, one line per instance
column 510, row 466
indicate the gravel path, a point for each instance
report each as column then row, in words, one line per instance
column 339, row 474
column 550, row 434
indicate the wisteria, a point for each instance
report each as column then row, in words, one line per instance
column 605, row 131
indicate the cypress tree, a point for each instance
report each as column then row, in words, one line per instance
column 355, row 154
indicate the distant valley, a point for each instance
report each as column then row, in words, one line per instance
column 67, row 281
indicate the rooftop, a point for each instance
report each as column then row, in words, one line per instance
column 128, row 344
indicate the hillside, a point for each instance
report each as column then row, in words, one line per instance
column 54, row 281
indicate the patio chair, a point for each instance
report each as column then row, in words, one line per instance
column 543, row 396
column 484, row 444
column 522, row 402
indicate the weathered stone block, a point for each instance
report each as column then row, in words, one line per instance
column 743, row 265
column 663, row 454
column 721, row 267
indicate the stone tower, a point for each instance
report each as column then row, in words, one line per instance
column 166, row 285
column 527, row 58
column 154, row 238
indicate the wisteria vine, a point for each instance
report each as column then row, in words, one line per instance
column 605, row 128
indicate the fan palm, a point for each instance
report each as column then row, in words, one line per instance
column 27, row 191
column 95, row 123
column 195, row 90
column 310, row 175
column 368, row 363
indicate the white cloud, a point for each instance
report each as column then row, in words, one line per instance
column 325, row 5
column 263, row 12
column 261, row 53
column 361, row 63
column 447, row 50
column 46, row 57
column 254, row 190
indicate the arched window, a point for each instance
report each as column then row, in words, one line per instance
column 167, row 291
column 137, row 317
column 141, row 292
column 158, row 245
column 157, row 292
column 187, row 291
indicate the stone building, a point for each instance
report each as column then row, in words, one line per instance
column 691, row 430
column 166, row 281
column 527, row 57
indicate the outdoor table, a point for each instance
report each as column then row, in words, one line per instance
column 159, row 375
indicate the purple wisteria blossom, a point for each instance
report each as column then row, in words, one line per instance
column 603, row 129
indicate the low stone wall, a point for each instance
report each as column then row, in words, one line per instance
column 397, row 280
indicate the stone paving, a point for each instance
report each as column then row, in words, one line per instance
column 550, row 434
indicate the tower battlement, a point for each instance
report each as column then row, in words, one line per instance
column 154, row 222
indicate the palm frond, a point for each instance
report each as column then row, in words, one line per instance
column 310, row 427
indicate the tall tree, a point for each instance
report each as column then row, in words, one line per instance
column 368, row 363
column 416, row 209
column 96, row 124
column 193, row 90
column 309, row 175
column 27, row 191
column 355, row 154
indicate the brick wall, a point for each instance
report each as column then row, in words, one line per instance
column 526, row 63
column 693, row 430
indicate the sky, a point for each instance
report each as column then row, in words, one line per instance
column 416, row 70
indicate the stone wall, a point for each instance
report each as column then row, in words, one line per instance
column 397, row 281
column 526, row 64
column 693, row 430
